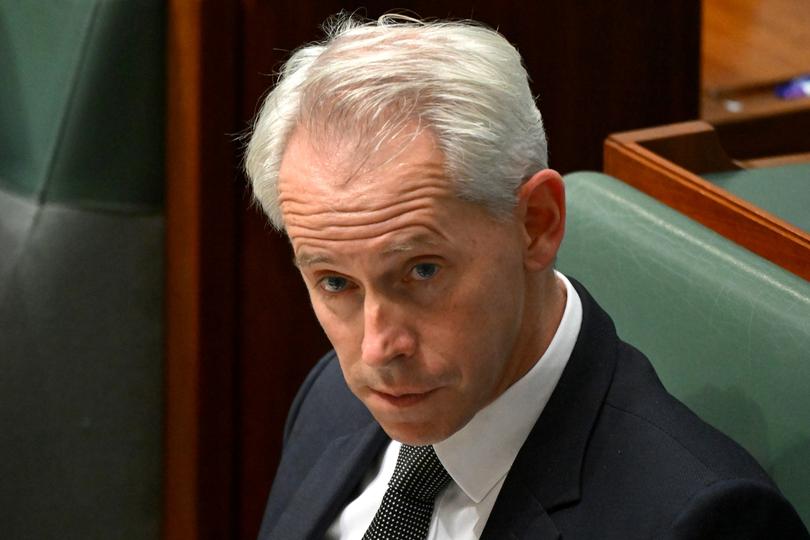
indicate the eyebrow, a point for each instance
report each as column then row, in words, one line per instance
column 409, row 243
column 306, row 259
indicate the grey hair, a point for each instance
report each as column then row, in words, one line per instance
column 368, row 80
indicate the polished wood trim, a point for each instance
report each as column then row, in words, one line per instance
column 693, row 145
column 663, row 163
column 181, row 459
column 201, row 246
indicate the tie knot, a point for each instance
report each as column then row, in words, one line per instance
column 419, row 474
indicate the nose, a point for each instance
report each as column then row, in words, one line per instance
column 386, row 333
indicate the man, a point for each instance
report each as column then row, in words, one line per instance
column 473, row 391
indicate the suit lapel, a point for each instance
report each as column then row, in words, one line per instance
column 329, row 484
column 547, row 471
column 518, row 514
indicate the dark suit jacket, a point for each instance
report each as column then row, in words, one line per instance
column 613, row 455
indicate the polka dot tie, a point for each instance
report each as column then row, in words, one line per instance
column 407, row 506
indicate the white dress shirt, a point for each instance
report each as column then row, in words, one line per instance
column 479, row 455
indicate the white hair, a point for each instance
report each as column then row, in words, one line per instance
column 368, row 80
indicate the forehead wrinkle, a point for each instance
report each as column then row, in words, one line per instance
column 397, row 246
column 304, row 217
column 423, row 182
column 311, row 251
column 314, row 239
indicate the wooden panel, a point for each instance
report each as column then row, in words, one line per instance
column 786, row 131
column 280, row 340
column 746, row 42
column 666, row 162
column 592, row 67
column 750, row 46
column 694, row 146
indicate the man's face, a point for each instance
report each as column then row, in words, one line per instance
column 421, row 294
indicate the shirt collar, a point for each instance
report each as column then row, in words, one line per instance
column 480, row 454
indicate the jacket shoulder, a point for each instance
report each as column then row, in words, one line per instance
column 324, row 409
column 662, row 469
column 638, row 398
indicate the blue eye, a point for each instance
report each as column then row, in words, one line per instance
column 424, row 271
column 334, row 284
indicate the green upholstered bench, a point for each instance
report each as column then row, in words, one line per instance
column 783, row 191
column 728, row 331
column 81, row 268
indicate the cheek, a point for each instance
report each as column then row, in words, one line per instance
column 338, row 330
column 344, row 341
column 471, row 335
column 486, row 320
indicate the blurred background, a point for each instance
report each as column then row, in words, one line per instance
column 153, row 330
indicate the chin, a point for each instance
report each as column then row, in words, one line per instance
column 415, row 434
column 414, row 440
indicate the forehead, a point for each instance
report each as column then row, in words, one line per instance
column 327, row 194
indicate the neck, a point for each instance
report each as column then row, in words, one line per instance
column 546, row 298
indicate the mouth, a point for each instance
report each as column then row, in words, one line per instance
column 402, row 399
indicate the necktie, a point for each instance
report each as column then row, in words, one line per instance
column 407, row 505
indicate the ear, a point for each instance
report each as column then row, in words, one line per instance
column 541, row 213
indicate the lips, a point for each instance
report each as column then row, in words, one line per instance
column 402, row 399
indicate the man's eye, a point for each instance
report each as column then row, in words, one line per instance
column 424, row 271
column 334, row 284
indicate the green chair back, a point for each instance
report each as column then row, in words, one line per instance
column 81, row 268
column 728, row 331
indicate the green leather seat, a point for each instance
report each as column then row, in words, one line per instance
column 783, row 191
column 728, row 331
column 81, row 268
